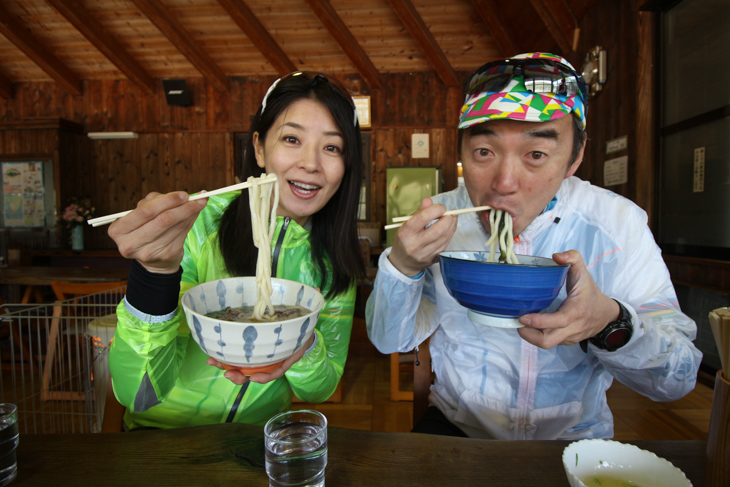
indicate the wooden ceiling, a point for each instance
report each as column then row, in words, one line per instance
column 69, row 41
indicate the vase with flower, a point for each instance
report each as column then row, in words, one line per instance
column 74, row 218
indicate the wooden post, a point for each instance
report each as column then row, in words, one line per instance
column 717, row 459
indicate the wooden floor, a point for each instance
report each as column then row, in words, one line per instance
column 366, row 403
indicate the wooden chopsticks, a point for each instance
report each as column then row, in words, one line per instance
column 264, row 179
column 400, row 220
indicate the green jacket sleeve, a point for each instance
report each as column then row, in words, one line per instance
column 139, row 354
column 315, row 377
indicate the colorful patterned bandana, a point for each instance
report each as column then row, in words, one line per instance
column 519, row 89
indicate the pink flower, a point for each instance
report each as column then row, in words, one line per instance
column 76, row 214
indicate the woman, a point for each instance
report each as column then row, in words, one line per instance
column 306, row 132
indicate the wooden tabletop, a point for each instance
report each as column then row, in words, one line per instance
column 43, row 276
column 233, row 455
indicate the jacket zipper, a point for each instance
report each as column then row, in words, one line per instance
column 275, row 261
column 277, row 248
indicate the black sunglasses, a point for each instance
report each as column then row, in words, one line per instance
column 539, row 75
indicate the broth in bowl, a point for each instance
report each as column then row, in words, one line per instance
column 245, row 314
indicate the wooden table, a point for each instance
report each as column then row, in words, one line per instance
column 34, row 276
column 233, row 455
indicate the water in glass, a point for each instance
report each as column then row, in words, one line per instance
column 296, row 455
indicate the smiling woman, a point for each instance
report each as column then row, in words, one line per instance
column 306, row 134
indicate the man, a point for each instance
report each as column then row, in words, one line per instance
column 521, row 139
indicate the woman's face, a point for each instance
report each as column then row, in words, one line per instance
column 304, row 148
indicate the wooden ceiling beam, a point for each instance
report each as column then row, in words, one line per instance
column 75, row 12
column 250, row 25
column 6, row 88
column 415, row 25
column 337, row 29
column 559, row 20
column 10, row 27
column 174, row 31
column 492, row 16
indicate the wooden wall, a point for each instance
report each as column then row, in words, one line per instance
column 192, row 148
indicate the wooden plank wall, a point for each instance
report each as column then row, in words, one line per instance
column 192, row 148
column 612, row 113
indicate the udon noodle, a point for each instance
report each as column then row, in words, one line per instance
column 259, row 195
column 500, row 223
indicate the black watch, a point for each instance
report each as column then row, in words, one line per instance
column 616, row 334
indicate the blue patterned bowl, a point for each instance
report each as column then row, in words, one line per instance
column 497, row 294
column 254, row 347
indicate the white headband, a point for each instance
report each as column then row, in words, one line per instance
column 273, row 85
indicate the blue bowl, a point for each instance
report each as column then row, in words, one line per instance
column 503, row 291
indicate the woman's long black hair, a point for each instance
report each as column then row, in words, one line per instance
column 334, row 227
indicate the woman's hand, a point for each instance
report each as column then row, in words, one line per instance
column 154, row 233
column 237, row 377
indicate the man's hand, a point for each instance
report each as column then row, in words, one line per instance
column 415, row 246
column 585, row 312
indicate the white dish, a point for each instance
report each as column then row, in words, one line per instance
column 629, row 463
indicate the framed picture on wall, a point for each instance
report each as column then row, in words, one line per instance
column 240, row 142
column 362, row 105
column 364, row 210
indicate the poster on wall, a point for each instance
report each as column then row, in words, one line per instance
column 23, row 194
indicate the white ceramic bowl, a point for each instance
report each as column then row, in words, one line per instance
column 585, row 458
column 250, row 346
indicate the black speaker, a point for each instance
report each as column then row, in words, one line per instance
column 176, row 92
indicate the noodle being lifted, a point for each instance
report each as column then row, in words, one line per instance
column 261, row 213
column 500, row 223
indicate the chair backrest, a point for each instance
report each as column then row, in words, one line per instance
column 113, row 419
column 67, row 290
column 422, row 380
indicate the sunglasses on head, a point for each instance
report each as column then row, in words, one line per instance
column 539, row 76
column 313, row 79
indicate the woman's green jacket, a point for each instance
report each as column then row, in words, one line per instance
column 159, row 373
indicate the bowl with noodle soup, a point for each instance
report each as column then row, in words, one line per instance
column 219, row 314
column 610, row 463
column 495, row 293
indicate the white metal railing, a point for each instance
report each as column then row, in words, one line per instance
column 54, row 361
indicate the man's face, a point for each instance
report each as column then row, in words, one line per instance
column 517, row 166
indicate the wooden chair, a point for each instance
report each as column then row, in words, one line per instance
column 400, row 362
column 113, row 419
column 70, row 290
column 422, row 380
column 68, row 293
column 420, row 365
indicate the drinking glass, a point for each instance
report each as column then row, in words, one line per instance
column 8, row 443
column 296, row 449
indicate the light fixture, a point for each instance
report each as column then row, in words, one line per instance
column 112, row 135
column 594, row 70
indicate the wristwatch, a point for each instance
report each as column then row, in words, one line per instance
column 616, row 334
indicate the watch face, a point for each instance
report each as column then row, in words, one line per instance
column 617, row 338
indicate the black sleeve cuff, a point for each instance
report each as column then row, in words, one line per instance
column 151, row 293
